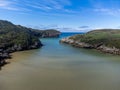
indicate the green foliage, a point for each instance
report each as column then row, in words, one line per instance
column 17, row 35
column 45, row 33
column 11, row 34
column 108, row 37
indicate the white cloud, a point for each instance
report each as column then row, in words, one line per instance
column 106, row 7
column 83, row 27
column 49, row 5
column 61, row 28
column 39, row 5
column 108, row 11
column 7, row 4
column 69, row 29
column 4, row 3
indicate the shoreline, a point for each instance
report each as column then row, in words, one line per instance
column 101, row 47
column 6, row 55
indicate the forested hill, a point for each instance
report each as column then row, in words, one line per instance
column 106, row 40
column 14, row 37
column 19, row 37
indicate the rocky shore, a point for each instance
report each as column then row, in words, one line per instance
column 100, row 47
column 5, row 53
column 19, row 38
column 3, row 58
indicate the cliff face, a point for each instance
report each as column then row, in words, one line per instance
column 18, row 38
column 15, row 38
column 107, row 41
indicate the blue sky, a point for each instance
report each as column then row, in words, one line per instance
column 64, row 15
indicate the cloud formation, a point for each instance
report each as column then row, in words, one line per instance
column 83, row 27
column 36, row 5
column 108, row 11
column 108, row 7
column 60, row 6
column 5, row 4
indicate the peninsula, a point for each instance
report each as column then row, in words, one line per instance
column 105, row 40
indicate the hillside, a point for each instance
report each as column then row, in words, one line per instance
column 106, row 40
column 49, row 33
column 17, row 38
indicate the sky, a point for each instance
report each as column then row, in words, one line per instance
column 64, row 15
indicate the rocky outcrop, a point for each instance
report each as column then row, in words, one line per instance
column 3, row 56
column 76, row 43
column 110, row 50
column 5, row 52
column 18, row 38
column 100, row 47
column 19, row 47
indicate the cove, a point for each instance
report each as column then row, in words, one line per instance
column 58, row 66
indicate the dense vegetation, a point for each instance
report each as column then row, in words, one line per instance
column 20, row 37
column 16, row 38
column 46, row 33
column 107, row 37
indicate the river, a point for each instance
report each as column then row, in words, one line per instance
column 58, row 66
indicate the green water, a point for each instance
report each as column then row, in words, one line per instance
column 61, row 67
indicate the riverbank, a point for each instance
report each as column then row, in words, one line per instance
column 15, row 38
column 103, row 40
column 57, row 66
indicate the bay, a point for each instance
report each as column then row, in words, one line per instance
column 58, row 66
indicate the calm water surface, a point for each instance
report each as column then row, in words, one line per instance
column 61, row 67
